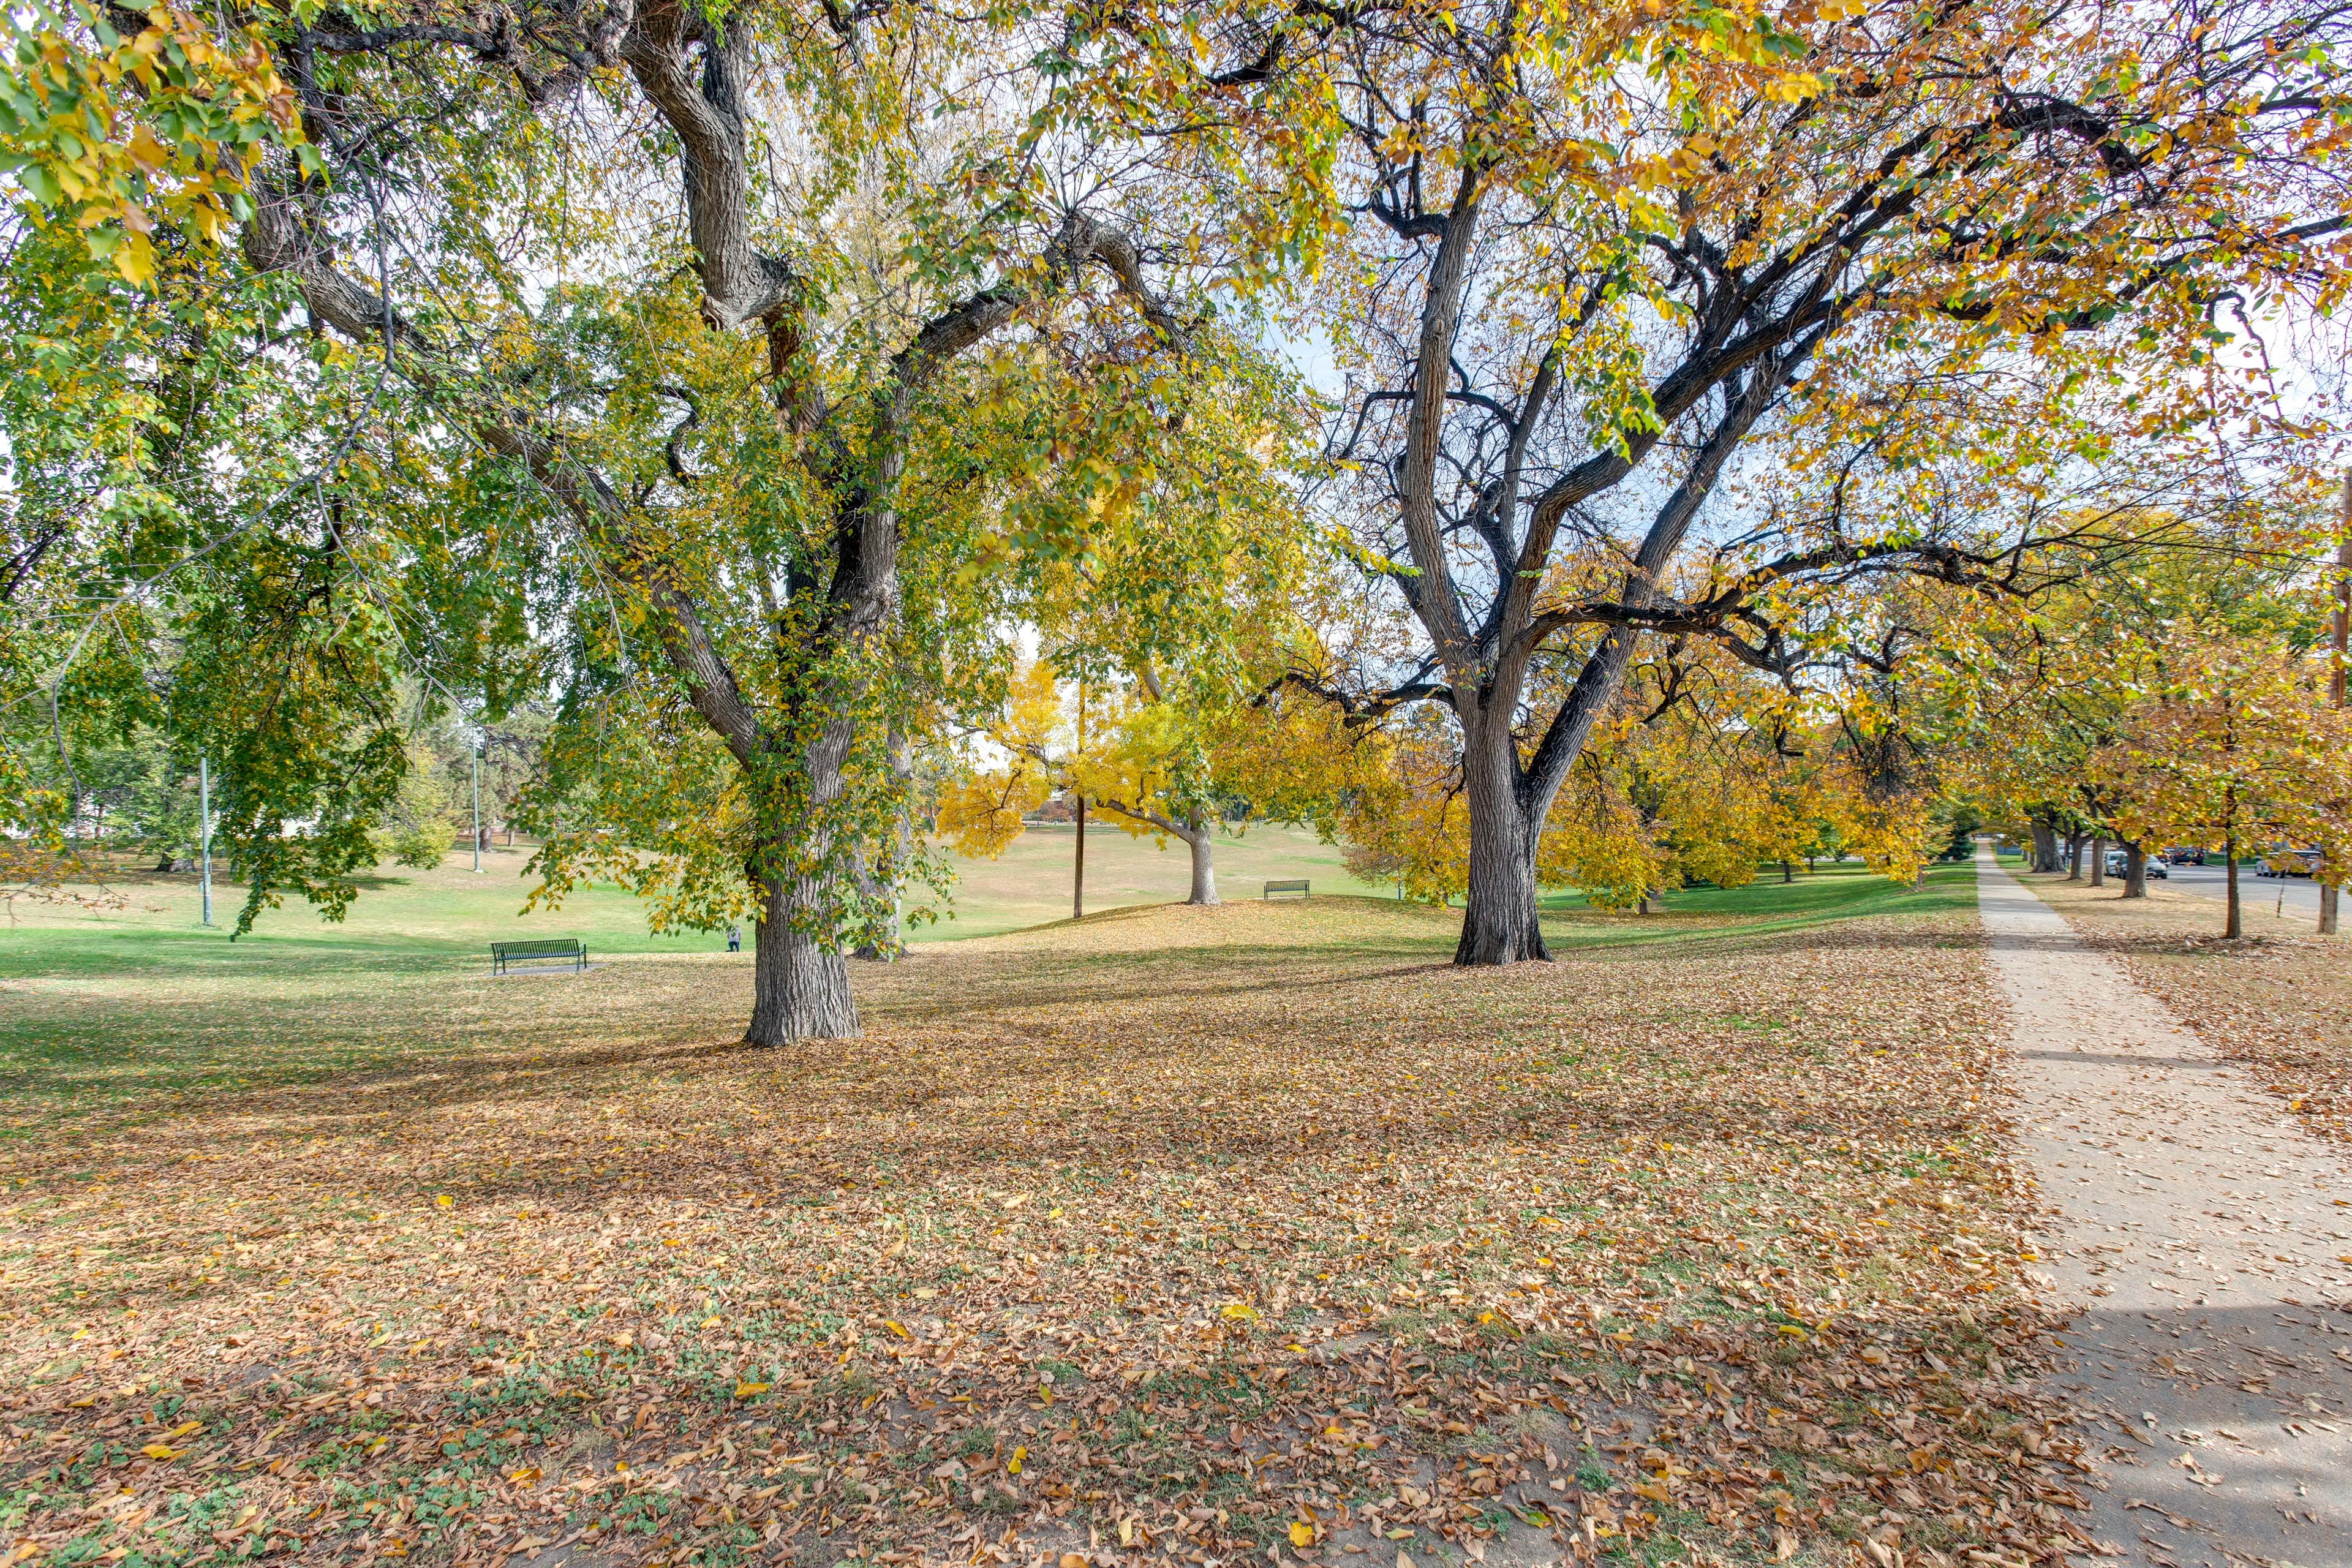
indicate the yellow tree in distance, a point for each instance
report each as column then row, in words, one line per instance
column 1159, row 764
column 2238, row 750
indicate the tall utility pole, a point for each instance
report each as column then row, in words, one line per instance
column 477, row 802
column 1079, row 880
column 2327, row 890
column 205, row 832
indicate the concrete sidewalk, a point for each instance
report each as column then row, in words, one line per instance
column 2206, row 1240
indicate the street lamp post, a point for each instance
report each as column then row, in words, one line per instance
column 476, row 748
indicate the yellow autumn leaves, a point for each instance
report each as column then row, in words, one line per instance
column 112, row 136
column 981, row 810
column 1700, row 772
column 1146, row 762
column 162, row 1450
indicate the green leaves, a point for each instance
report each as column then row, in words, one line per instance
column 113, row 137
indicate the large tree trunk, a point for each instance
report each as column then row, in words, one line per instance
column 2073, row 857
column 799, row 977
column 2098, row 860
column 800, row 984
column 1200, row 838
column 2045, row 847
column 2135, row 871
column 1498, row 922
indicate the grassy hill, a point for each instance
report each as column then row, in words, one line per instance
column 146, row 920
column 405, row 917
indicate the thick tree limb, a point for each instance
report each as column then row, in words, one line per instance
column 1437, row 597
column 738, row 284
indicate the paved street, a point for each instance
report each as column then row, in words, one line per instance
column 2257, row 892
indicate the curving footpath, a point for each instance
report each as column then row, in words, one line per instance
column 2206, row 1240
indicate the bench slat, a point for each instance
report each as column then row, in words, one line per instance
column 571, row 947
column 1297, row 886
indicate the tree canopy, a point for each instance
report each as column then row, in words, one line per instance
column 734, row 389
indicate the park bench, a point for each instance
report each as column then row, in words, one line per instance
column 1298, row 887
column 504, row 953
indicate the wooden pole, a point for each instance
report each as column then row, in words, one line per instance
column 204, row 830
column 1078, row 878
column 2343, row 618
column 476, row 749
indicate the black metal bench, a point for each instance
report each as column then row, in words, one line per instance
column 1298, row 887
column 504, row 953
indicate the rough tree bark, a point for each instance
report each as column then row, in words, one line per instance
column 1200, row 838
column 2098, row 860
column 1499, row 923
column 800, row 986
column 2135, row 871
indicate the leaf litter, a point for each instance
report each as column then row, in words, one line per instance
column 2278, row 999
column 1179, row 1236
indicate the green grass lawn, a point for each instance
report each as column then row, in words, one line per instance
column 409, row 918
column 420, row 922
column 1030, row 883
column 131, row 997
column 135, row 1002
column 1837, row 891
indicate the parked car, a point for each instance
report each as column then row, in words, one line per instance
column 2286, row 861
column 2119, row 865
column 2183, row 855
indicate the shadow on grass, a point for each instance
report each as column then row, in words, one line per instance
column 370, row 1015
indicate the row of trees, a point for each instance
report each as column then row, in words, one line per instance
column 2190, row 698
column 747, row 384
column 2193, row 702
column 1700, row 772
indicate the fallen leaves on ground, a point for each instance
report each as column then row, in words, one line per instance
column 1171, row 1235
column 2278, row 999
